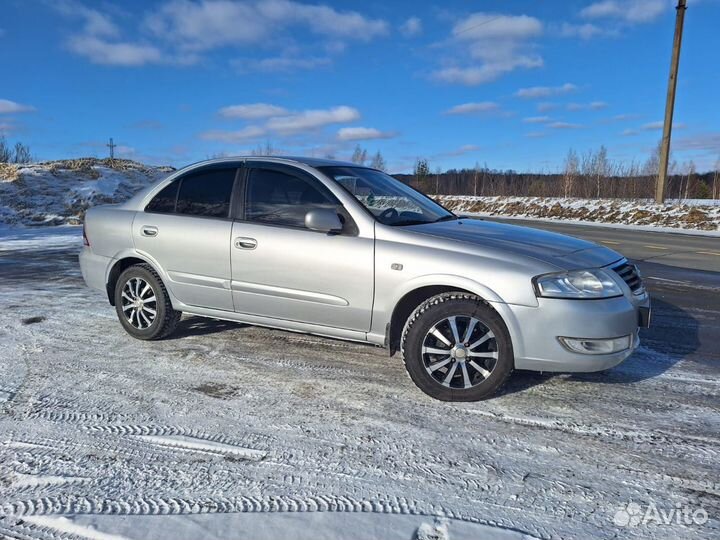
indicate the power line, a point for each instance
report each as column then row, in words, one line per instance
column 479, row 24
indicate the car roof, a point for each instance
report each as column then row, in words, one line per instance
column 309, row 161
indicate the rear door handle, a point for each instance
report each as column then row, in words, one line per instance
column 148, row 230
column 243, row 242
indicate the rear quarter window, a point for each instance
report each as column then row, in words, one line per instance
column 164, row 202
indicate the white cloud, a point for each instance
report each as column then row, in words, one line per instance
column 252, row 111
column 411, row 27
column 100, row 51
column 464, row 149
column 207, row 24
column 94, row 22
column 650, row 126
column 583, row 31
column 244, row 134
column 461, row 150
column 536, row 134
column 593, row 105
column 630, row 11
column 7, row 127
column 312, row 119
column 629, row 132
column 709, row 142
column 472, row 108
column 564, row 125
column 11, row 107
column 546, row 106
column 362, row 134
column 494, row 45
column 653, row 126
column 537, row 119
column 545, row 91
column 288, row 63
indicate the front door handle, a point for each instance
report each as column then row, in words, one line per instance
column 243, row 242
column 148, row 230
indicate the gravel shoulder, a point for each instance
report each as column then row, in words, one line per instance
column 231, row 420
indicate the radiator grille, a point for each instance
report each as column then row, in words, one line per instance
column 630, row 275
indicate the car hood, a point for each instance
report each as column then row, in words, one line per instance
column 566, row 252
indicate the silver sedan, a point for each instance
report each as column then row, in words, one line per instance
column 338, row 250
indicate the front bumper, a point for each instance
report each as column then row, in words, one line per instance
column 537, row 330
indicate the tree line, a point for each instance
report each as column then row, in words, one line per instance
column 589, row 175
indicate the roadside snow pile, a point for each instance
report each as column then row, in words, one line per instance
column 679, row 215
column 59, row 192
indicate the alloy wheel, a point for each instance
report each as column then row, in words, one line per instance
column 139, row 303
column 459, row 352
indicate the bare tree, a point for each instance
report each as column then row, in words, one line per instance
column 359, row 155
column 601, row 168
column 378, row 162
column 716, row 177
column 5, row 151
column 572, row 167
column 22, row 153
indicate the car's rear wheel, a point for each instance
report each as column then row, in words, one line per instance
column 457, row 348
column 143, row 304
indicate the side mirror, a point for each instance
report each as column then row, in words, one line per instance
column 323, row 220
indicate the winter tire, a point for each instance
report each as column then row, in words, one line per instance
column 143, row 304
column 457, row 348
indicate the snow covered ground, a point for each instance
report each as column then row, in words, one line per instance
column 226, row 430
column 690, row 215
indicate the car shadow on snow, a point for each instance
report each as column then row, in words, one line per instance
column 672, row 336
column 201, row 326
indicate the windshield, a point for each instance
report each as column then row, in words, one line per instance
column 388, row 199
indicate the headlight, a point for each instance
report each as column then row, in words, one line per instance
column 581, row 284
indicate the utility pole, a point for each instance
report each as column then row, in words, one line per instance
column 670, row 104
column 111, row 145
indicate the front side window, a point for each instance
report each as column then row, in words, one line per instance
column 388, row 199
column 206, row 193
column 278, row 198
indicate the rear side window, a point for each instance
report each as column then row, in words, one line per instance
column 164, row 201
column 206, row 194
column 278, row 198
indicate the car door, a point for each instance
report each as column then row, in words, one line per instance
column 187, row 228
column 283, row 270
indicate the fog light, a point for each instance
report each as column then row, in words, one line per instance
column 597, row 346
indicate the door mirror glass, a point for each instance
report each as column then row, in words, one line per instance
column 323, row 220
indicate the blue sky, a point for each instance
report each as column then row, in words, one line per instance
column 509, row 84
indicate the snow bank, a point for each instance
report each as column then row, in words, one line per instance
column 59, row 192
column 673, row 215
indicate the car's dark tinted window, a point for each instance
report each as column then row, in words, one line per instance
column 165, row 200
column 282, row 199
column 206, row 193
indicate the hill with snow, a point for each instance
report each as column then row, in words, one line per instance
column 59, row 192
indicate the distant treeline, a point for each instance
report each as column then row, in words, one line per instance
column 590, row 175
column 489, row 183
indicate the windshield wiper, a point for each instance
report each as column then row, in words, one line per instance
column 450, row 217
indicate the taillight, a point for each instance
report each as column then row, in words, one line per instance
column 85, row 240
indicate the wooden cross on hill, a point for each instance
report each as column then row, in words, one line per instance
column 111, row 145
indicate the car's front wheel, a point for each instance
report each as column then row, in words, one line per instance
column 457, row 348
column 143, row 304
